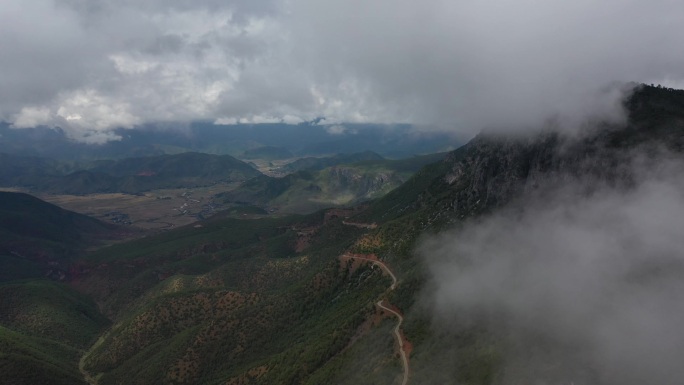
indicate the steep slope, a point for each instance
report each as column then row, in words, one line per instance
column 44, row 329
column 39, row 239
column 482, row 179
column 493, row 169
column 232, row 301
column 44, row 325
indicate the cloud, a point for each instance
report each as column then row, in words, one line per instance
column 336, row 129
column 32, row 117
column 463, row 65
column 601, row 276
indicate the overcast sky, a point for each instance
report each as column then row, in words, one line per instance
column 92, row 65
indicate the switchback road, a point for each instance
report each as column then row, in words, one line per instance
column 397, row 329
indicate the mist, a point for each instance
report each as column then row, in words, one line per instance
column 598, row 276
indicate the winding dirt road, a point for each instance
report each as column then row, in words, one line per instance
column 397, row 329
column 397, row 335
column 377, row 263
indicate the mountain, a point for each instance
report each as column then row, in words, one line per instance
column 366, row 178
column 45, row 325
column 30, row 171
column 492, row 182
column 491, row 170
column 39, row 239
column 232, row 300
column 305, row 299
column 130, row 175
column 303, row 139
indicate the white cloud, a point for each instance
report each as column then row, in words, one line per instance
column 258, row 119
column 32, row 117
column 91, row 111
column 458, row 64
column 336, row 129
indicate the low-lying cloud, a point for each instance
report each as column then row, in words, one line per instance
column 601, row 275
column 91, row 66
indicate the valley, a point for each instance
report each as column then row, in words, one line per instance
column 299, row 192
column 426, row 275
column 309, row 184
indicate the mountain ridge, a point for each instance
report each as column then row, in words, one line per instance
column 130, row 175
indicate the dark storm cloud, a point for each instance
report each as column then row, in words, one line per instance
column 94, row 65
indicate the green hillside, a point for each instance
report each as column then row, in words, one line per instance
column 39, row 239
column 483, row 177
column 45, row 326
column 203, row 305
column 44, row 329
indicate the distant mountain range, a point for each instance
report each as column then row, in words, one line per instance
column 306, row 139
column 131, row 175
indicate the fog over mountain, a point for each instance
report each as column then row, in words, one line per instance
column 91, row 66
column 593, row 269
